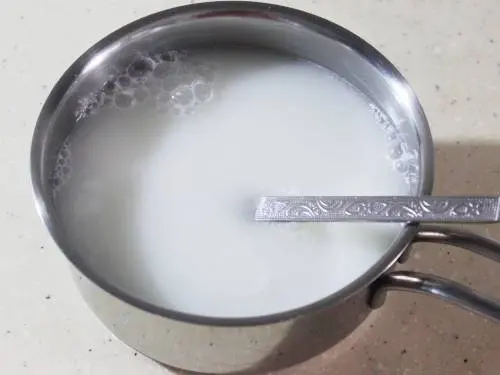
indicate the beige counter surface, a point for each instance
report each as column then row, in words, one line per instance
column 449, row 50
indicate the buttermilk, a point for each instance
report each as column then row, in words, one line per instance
column 160, row 201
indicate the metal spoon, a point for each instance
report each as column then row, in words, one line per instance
column 427, row 209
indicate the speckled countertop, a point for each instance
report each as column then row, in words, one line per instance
column 450, row 52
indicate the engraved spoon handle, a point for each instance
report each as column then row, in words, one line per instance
column 427, row 209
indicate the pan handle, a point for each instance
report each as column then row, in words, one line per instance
column 448, row 290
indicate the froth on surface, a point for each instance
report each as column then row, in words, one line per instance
column 161, row 202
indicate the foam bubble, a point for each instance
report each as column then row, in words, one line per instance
column 176, row 82
column 405, row 160
column 183, row 96
column 124, row 100
column 140, row 68
column 62, row 170
column 124, row 81
column 203, row 91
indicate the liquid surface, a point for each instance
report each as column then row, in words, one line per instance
column 159, row 198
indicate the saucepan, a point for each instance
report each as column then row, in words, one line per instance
column 215, row 345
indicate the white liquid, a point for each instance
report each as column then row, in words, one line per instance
column 162, row 205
